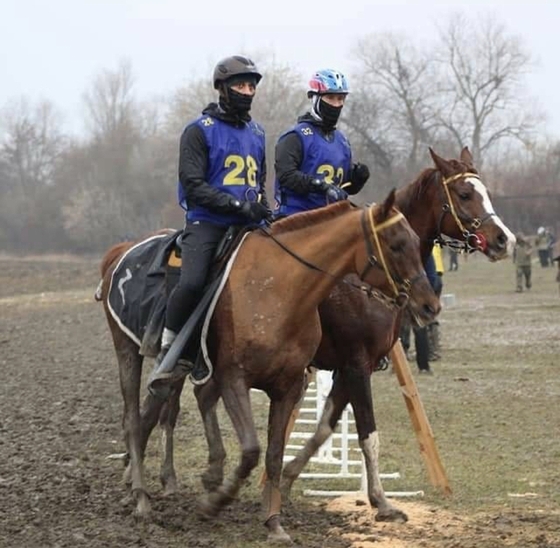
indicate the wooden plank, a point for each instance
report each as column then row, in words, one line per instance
column 420, row 423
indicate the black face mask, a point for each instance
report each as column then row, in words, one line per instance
column 238, row 103
column 329, row 114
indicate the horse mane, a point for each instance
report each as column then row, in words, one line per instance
column 312, row 217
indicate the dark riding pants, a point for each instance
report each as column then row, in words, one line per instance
column 198, row 247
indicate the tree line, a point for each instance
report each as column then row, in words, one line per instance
column 59, row 192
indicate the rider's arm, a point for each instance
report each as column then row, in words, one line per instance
column 193, row 161
column 288, row 159
column 262, row 185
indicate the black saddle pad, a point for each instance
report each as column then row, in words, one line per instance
column 139, row 288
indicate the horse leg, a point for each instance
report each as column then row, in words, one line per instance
column 334, row 406
column 278, row 419
column 130, row 371
column 359, row 389
column 235, row 395
column 149, row 413
column 207, row 396
column 167, row 420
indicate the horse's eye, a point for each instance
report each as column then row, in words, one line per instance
column 464, row 195
column 397, row 248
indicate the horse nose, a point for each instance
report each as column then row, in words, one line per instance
column 431, row 310
column 502, row 240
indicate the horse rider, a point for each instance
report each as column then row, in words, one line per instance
column 313, row 159
column 222, row 172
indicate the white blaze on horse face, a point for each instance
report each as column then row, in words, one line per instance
column 489, row 208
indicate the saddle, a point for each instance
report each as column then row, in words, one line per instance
column 145, row 276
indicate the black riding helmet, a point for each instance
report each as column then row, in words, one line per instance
column 230, row 67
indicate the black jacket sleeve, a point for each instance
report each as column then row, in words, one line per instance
column 288, row 159
column 262, row 185
column 193, row 161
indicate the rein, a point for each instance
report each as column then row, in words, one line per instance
column 404, row 285
column 469, row 235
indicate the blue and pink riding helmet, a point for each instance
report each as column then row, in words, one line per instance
column 327, row 81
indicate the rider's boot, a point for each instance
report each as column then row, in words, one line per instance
column 160, row 387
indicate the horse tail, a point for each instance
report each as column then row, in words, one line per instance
column 111, row 256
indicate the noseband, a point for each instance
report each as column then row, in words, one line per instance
column 473, row 241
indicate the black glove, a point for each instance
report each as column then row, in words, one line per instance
column 336, row 194
column 333, row 192
column 360, row 174
column 255, row 211
column 319, row 186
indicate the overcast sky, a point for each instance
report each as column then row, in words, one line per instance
column 53, row 48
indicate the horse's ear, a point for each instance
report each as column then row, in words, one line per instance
column 466, row 156
column 445, row 167
column 388, row 204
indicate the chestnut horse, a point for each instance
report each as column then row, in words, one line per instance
column 265, row 329
column 359, row 329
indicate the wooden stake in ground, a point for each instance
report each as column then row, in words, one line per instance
column 422, row 428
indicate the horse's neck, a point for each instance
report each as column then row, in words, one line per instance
column 319, row 254
column 417, row 207
column 330, row 246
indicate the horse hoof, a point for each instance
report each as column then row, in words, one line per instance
column 143, row 510
column 279, row 538
column 276, row 533
column 208, row 509
column 393, row 515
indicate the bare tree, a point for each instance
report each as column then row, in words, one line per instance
column 29, row 154
column 110, row 103
column 32, row 144
column 482, row 95
column 400, row 79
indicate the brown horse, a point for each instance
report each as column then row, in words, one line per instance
column 438, row 202
column 359, row 329
column 265, row 329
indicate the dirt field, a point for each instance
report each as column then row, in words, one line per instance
column 493, row 404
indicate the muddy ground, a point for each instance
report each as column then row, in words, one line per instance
column 60, row 412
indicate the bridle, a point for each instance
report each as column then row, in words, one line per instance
column 473, row 241
column 400, row 287
column 369, row 227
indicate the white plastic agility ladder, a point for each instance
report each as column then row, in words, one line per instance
column 334, row 455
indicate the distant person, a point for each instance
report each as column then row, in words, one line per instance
column 522, row 260
column 453, row 260
column 542, row 243
column 556, row 259
column 313, row 159
column 551, row 243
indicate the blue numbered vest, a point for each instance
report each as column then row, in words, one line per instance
column 328, row 161
column 235, row 165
